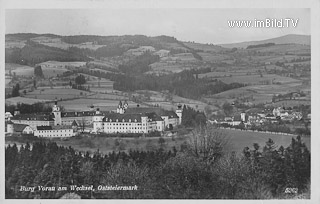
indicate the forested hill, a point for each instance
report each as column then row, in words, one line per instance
column 44, row 47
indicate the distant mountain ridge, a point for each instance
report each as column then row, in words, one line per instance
column 286, row 39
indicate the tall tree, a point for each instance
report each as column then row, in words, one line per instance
column 38, row 72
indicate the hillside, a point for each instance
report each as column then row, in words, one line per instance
column 287, row 39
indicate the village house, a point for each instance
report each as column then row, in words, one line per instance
column 19, row 129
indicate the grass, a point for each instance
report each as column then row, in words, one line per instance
column 84, row 103
column 237, row 141
column 23, row 70
column 240, row 139
column 257, row 79
column 56, row 93
column 19, row 99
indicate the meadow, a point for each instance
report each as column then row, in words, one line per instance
column 56, row 93
column 83, row 104
column 239, row 139
column 15, row 100
column 27, row 71
column 257, row 79
column 236, row 141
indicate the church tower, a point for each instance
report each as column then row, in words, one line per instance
column 179, row 113
column 125, row 105
column 98, row 121
column 57, row 114
column 120, row 108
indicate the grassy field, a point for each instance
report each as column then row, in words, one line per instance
column 240, row 139
column 27, row 71
column 210, row 57
column 257, row 79
column 259, row 93
column 237, row 140
column 57, row 93
column 161, row 99
column 55, row 64
column 19, row 99
column 83, row 104
column 205, row 47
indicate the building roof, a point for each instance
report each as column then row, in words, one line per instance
column 78, row 114
column 122, row 117
column 38, row 117
column 74, row 123
column 154, row 117
column 44, row 128
column 158, row 111
column 57, row 127
column 19, row 127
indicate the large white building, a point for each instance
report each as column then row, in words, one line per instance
column 124, row 120
column 136, row 120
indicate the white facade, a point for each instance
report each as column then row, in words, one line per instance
column 68, row 132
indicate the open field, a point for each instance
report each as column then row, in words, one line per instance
column 285, row 48
column 27, row 71
column 15, row 43
column 257, row 79
column 56, row 64
column 15, row 100
column 259, row 93
column 167, row 102
column 56, row 42
column 205, row 47
column 83, row 104
column 57, row 93
column 240, row 139
column 210, row 57
column 185, row 57
column 237, row 141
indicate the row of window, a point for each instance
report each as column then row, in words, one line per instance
column 119, row 128
column 49, row 131
column 56, row 135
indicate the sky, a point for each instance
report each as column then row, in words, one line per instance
column 189, row 24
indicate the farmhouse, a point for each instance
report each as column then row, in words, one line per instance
column 18, row 128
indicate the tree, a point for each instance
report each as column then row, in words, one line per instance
column 80, row 80
column 227, row 108
column 38, row 72
column 15, row 90
column 208, row 143
column 162, row 142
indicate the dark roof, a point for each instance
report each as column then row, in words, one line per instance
column 137, row 110
column 269, row 115
column 237, row 118
column 57, row 127
column 19, row 127
column 154, row 117
column 171, row 114
column 78, row 114
column 44, row 128
column 158, row 111
column 41, row 117
column 122, row 117
column 74, row 123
